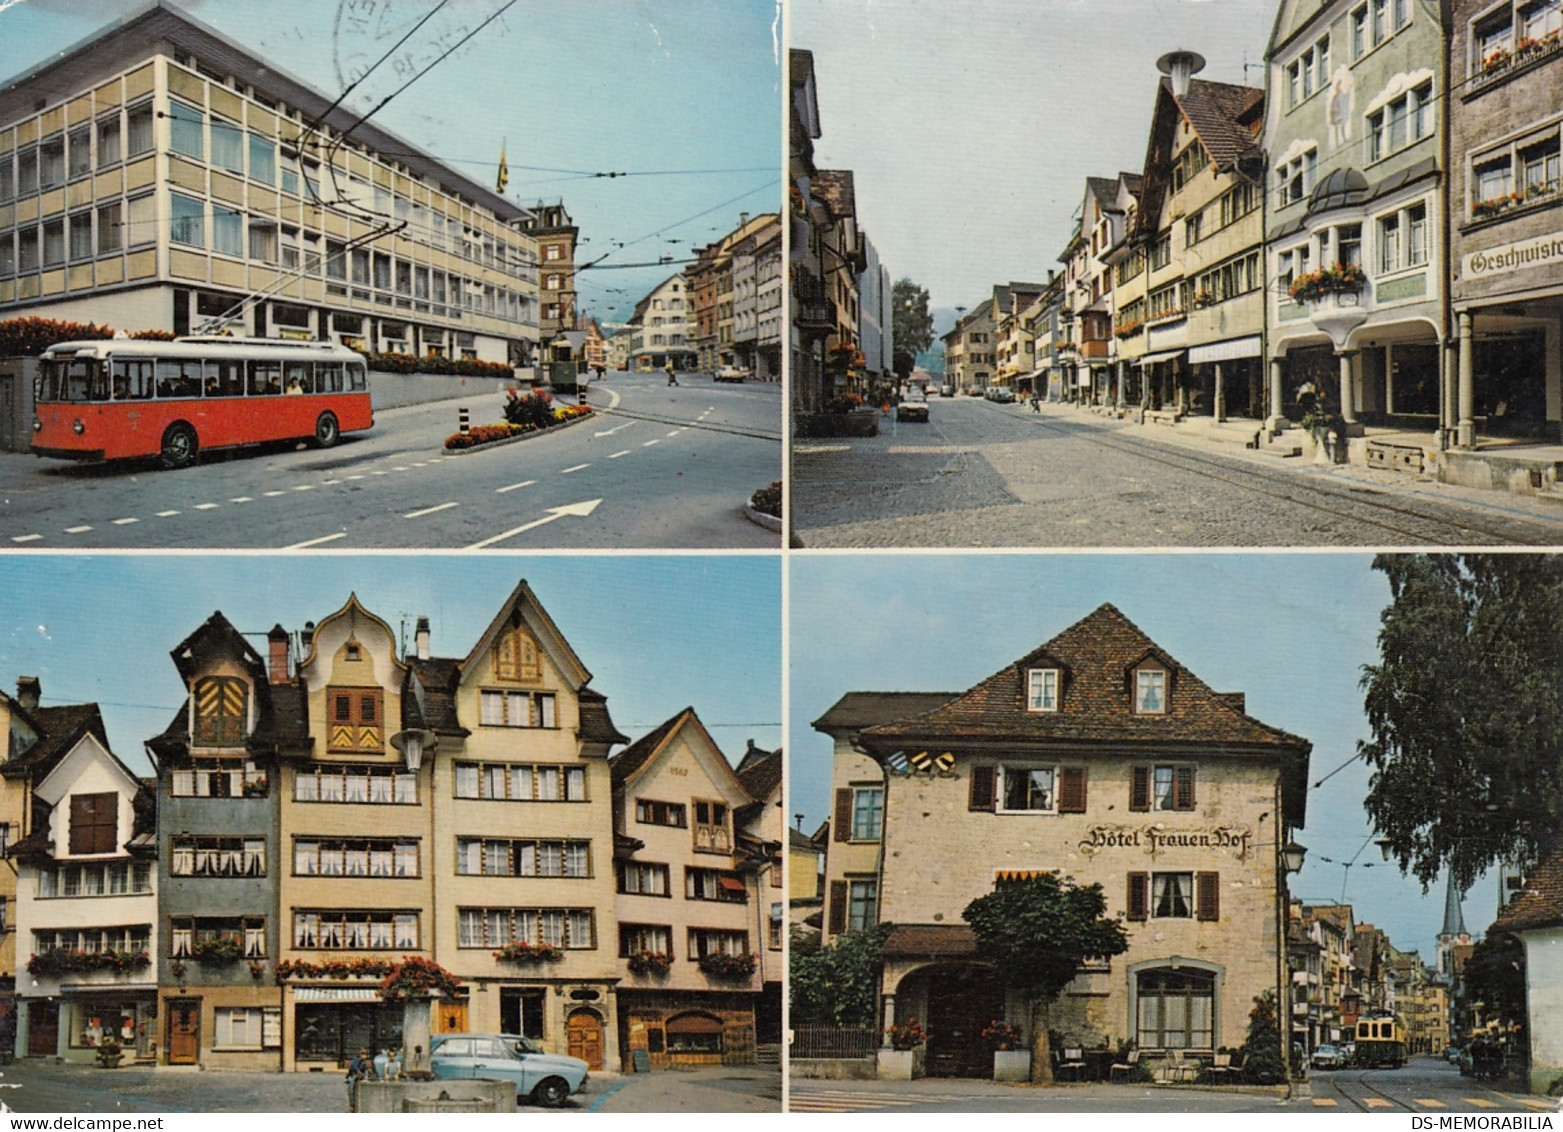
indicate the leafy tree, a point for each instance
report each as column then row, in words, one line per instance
column 1262, row 1062
column 902, row 363
column 838, row 985
column 910, row 322
column 1466, row 708
column 1037, row 932
column 1495, row 977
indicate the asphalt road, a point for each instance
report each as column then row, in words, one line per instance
column 39, row 1085
column 980, row 474
column 655, row 467
column 1424, row 1085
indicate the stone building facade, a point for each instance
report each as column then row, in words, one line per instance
column 1098, row 757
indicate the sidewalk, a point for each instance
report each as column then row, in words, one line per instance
column 1228, row 438
column 726, row 1089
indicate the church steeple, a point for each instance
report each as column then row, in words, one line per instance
column 1454, row 918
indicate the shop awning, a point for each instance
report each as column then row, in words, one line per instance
column 1165, row 356
column 1229, row 351
column 336, row 994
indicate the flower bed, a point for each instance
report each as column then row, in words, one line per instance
column 523, row 953
column 550, row 417
column 62, row 961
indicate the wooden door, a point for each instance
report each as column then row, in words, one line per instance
column 451, row 1017
column 584, row 1031
column 184, row 1031
column 43, row 1029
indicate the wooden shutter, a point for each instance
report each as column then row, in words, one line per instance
column 1183, row 796
column 94, row 823
column 1207, row 896
column 1140, row 789
column 1139, row 898
column 843, row 815
column 838, row 907
column 1071, row 790
column 981, row 796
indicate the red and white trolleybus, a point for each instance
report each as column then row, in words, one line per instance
column 125, row 397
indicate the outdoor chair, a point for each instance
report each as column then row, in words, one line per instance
column 1073, row 1062
column 1220, row 1068
column 1182, row 1070
column 1126, row 1067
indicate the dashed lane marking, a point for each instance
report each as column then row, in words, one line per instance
column 1378, row 1102
column 649, row 443
column 1325, row 1102
column 577, row 468
column 675, row 432
column 513, row 487
column 356, row 477
column 317, row 541
column 430, row 510
column 304, row 487
column 1481, row 1102
column 77, row 530
column 168, row 514
column 126, row 522
column 25, row 538
column 1429, row 1102
column 207, row 506
column 274, row 494
column 243, row 499
column 616, row 455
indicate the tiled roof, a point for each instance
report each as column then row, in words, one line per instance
column 797, row 839
column 762, row 775
column 835, row 187
column 596, row 723
column 857, row 710
column 941, row 941
column 636, row 755
column 1104, row 189
column 1096, row 706
column 1218, row 112
column 1540, row 903
column 59, row 729
column 437, row 677
column 284, row 719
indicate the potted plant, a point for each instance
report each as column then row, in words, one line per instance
column 110, row 1053
column 522, row 953
column 904, row 1060
column 1011, row 1060
column 720, row 965
column 650, row 962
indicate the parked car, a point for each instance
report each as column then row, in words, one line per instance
column 1326, row 1057
column 548, row 1078
column 947, row 391
column 1002, row 394
column 1452, row 1055
column 913, row 407
column 730, row 373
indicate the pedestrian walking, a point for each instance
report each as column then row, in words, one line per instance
column 671, row 379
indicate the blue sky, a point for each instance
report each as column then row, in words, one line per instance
column 658, row 633
column 672, row 91
column 971, row 129
column 1292, row 631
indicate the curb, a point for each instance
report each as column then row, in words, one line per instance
column 500, row 443
column 761, row 519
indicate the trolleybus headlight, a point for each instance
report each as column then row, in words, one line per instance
column 37, row 425
column 78, row 426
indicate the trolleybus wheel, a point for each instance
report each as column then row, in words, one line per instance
column 179, row 446
column 327, row 430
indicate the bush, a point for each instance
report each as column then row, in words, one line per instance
column 1262, row 1062
column 768, row 500
column 25, row 337
column 814, row 425
column 533, row 409
column 452, row 367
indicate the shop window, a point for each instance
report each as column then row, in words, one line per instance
column 694, row 1034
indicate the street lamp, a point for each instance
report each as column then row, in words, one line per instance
column 1292, row 856
column 412, row 743
column 1180, row 66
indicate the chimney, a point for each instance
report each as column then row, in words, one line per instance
column 743, row 219
column 421, row 638
column 277, row 660
column 306, row 638
column 28, row 690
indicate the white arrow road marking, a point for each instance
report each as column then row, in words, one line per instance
column 513, row 487
column 429, row 510
column 25, row 538
column 77, row 530
column 316, row 541
column 580, row 509
column 577, row 468
column 616, row 455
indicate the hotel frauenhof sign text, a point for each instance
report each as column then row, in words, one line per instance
column 1540, row 251
column 1153, row 839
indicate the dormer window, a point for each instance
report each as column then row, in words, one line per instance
column 1150, row 691
column 221, row 711
column 1042, row 689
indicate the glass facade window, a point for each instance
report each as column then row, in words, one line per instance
column 263, row 160
column 108, row 140
column 187, row 221
column 227, row 146
column 186, row 130
column 227, row 231
column 80, row 142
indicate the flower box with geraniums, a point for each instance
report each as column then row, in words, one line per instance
column 650, row 963
column 217, row 949
column 720, row 965
column 348, row 967
column 416, row 977
column 1337, row 279
column 524, row 954
column 62, row 961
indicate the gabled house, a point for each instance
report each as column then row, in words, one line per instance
column 220, row 857
column 689, row 954
column 760, row 826
column 1099, row 757
column 86, row 903
column 1535, row 918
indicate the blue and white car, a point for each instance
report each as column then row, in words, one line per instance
column 548, row 1078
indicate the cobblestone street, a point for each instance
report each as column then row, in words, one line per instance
column 988, row 475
